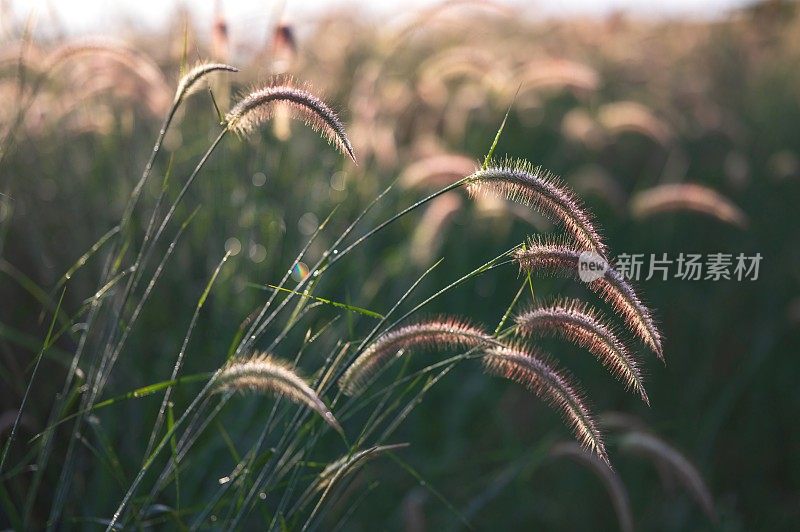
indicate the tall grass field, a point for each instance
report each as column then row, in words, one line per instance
column 463, row 267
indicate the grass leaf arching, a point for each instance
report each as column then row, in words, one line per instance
column 440, row 333
column 575, row 321
column 259, row 106
column 532, row 185
column 555, row 256
column 539, row 375
column 265, row 373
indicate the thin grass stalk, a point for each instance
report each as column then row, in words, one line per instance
column 393, row 219
column 491, row 264
column 110, row 357
column 146, row 466
column 480, row 270
column 193, row 431
column 89, row 399
column 151, row 284
column 418, row 398
column 264, row 475
column 383, row 320
column 123, row 225
column 381, row 411
column 55, row 509
column 343, row 467
column 303, row 310
column 256, row 328
column 316, row 270
column 182, row 353
column 244, row 466
column 291, row 438
column 45, row 346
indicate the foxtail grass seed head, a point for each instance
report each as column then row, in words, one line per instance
column 533, row 186
column 436, row 171
column 189, row 83
column 681, row 197
column 441, row 333
column 87, row 45
column 260, row 105
column 576, row 322
column 350, row 463
column 651, row 446
column 610, row 479
column 523, row 366
column 627, row 116
column 264, row 373
column 554, row 256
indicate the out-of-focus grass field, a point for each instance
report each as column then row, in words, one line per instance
column 614, row 106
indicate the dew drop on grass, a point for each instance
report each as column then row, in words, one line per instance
column 300, row 271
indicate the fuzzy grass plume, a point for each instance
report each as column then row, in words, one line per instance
column 260, row 105
column 558, row 257
column 611, row 480
column 678, row 197
column 189, row 82
column 532, row 185
column 350, row 463
column 264, row 373
column 575, row 321
column 652, row 447
column 436, row 171
column 440, row 333
column 539, row 375
column 627, row 116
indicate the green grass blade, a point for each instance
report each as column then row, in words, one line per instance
column 305, row 294
column 45, row 347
